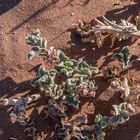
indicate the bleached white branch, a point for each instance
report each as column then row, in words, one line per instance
column 95, row 32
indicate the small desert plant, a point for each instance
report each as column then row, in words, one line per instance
column 96, row 30
column 19, row 106
column 125, row 58
column 45, row 81
column 54, row 111
column 61, row 132
column 121, row 113
column 31, row 131
column 65, row 64
column 40, row 47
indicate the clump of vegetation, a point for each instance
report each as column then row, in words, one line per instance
column 96, row 29
column 39, row 46
column 19, row 106
column 125, row 58
column 31, row 130
column 78, row 82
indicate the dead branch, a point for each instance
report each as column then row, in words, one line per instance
column 91, row 32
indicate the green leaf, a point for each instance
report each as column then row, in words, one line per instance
column 125, row 51
column 124, row 115
column 42, row 72
column 84, row 65
column 68, row 71
column 104, row 122
column 98, row 118
column 44, row 43
column 86, row 72
column 118, row 56
column 69, row 63
column 37, row 33
column 114, row 119
column 62, row 57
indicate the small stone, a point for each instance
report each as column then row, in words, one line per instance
column 1, row 26
column 72, row 14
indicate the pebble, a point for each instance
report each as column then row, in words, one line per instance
column 72, row 14
column 1, row 26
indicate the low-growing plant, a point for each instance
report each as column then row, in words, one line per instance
column 96, row 30
column 121, row 85
column 40, row 46
column 69, row 66
column 31, row 130
column 54, row 111
column 125, row 58
column 65, row 64
column 19, row 106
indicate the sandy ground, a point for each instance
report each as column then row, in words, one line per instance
column 54, row 17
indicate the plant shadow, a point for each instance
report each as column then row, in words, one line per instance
column 125, row 12
column 39, row 11
column 9, row 88
column 6, row 5
column 71, row 1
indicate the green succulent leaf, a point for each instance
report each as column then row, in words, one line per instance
column 125, row 51
column 118, row 56
column 37, row 33
column 42, row 72
column 104, row 122
column 98, row 118
column 114, row 119
column 86, row 72
column 84, row 65
column 69, row 63
column 62, row 57
column 68, row 71
column 124, row 115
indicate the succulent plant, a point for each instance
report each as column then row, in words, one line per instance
column 65, row 64
column 31, row 131
column 61, row 132
column 46, row 81
column 87, row 71
column 121, row 113
column 69, row 96
column 19, row 106
column 125, row 58
column 54, row 111
column 40, row 47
